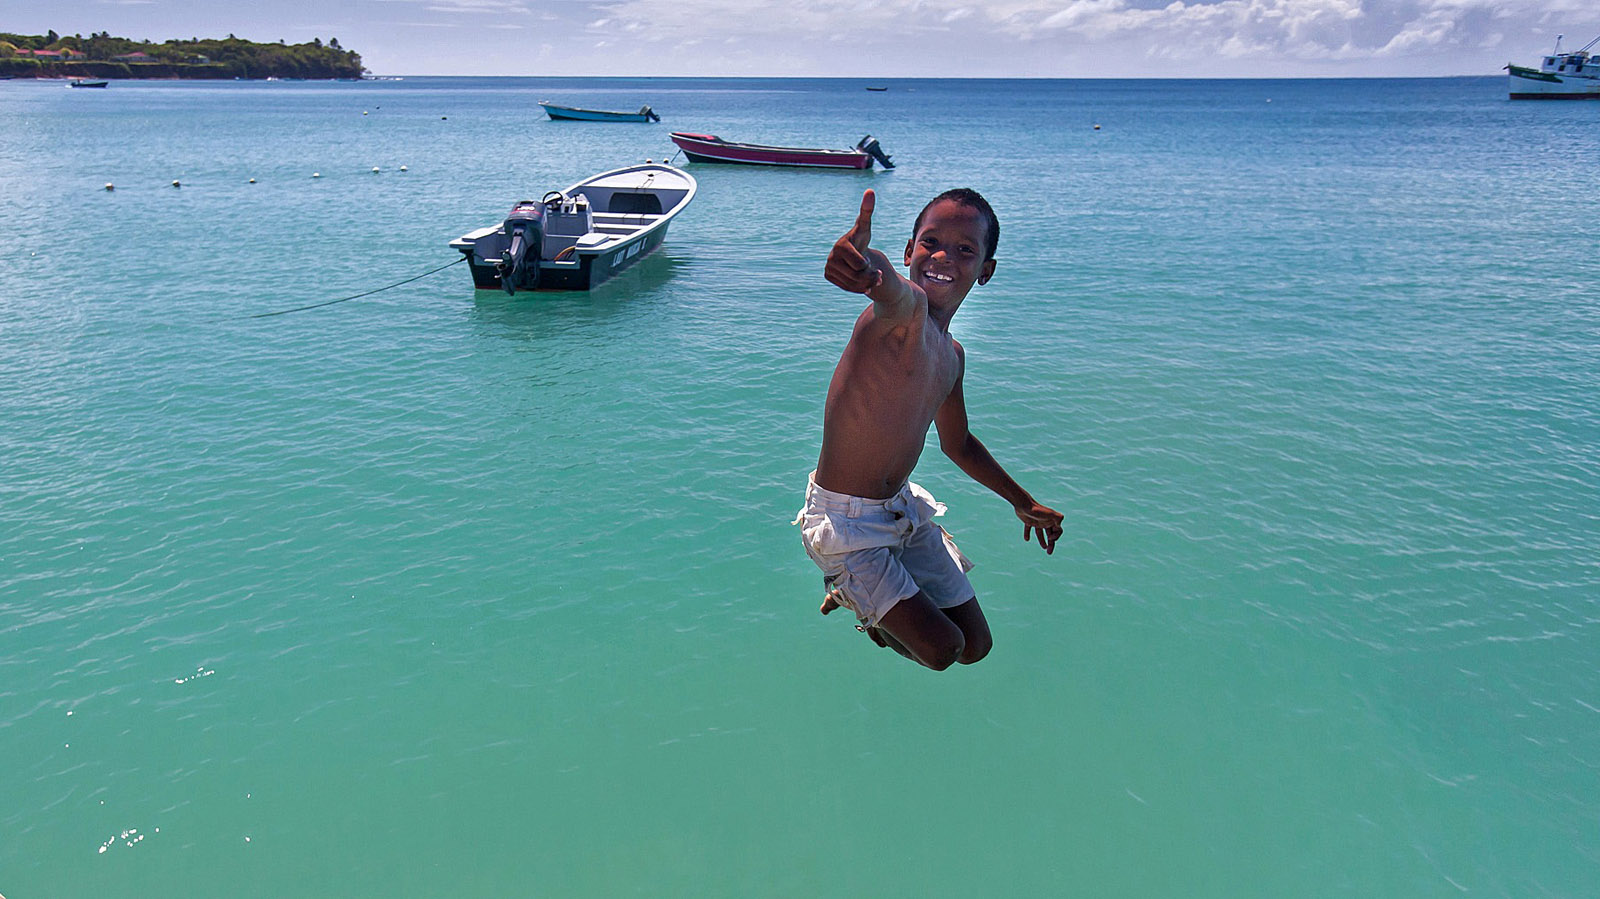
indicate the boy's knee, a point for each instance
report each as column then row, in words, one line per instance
column 975, row 649
column 947, row 654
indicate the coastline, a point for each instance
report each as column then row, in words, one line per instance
column 223, row 77
column 157, row 71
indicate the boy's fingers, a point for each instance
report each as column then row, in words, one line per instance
column 1046, row 536
column 848, row 274
column 851, row 255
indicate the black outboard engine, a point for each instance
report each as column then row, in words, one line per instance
column 524, row 231
column 869, row 145
column 649, row 114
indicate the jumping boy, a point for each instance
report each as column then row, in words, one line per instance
column 865, row 524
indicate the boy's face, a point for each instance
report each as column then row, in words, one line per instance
column 945, row 256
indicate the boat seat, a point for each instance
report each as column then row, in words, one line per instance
column 555, row 243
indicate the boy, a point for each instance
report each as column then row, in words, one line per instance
column 866, row 526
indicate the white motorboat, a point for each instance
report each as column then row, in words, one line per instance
column 575, row 239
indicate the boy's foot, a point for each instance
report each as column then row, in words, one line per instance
column 876, row 637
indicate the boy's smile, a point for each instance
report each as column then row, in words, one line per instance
column 945, row 256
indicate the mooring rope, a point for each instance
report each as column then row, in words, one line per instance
column 360, row 295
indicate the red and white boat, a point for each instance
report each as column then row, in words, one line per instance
column 710, row 148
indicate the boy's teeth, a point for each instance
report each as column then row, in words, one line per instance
column 934, row 277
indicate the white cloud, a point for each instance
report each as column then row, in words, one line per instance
column 477, row 7
column 1176, row 30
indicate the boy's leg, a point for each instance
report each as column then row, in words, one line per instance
column 924, row 633
column 974, row 630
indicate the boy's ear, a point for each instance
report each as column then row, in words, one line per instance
column 983, row 276
column 909, row 241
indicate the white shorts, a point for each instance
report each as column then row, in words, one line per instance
column 880, row 551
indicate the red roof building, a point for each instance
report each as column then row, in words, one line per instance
column 52, row 54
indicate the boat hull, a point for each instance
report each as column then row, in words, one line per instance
column 698, row 149
column 1532, row 84
column 592, row 270
column 570, row 114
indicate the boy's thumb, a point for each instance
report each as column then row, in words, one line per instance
column 861, row 232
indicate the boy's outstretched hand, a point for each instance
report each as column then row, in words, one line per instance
column 1041, row 522
column 852, row 263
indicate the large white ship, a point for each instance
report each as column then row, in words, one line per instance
column 1560, row 76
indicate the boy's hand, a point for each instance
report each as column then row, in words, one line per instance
column 1041, row 522
column 852, row 263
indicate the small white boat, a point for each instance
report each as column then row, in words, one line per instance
column 575, row 114
column 1560, row 76
column 575, row 239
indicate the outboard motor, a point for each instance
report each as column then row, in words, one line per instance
column 869, row 145
column 524, row 232
column 649, row 114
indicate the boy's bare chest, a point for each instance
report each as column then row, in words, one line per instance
column 925, row 362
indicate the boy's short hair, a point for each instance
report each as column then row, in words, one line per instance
column 970, row 198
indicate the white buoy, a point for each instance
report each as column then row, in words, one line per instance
column 316, row 174
column 402, row 168
column 177, row 183
column 252, row 180
column 363, row 112
column 1097, row 126
column 374, row 170
column 110, row 186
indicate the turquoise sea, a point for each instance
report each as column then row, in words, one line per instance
column 435, row 593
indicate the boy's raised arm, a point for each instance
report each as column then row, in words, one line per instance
column 855, row 266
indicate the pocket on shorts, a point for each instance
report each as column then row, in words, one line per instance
column 819, row 534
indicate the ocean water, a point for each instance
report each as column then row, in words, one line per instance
column 440, row 593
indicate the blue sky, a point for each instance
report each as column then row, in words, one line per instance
column 880, row 38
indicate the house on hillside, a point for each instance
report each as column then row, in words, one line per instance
column 53, row 54
column 135, row 56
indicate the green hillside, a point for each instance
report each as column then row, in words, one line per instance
column 103, row 56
